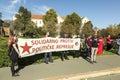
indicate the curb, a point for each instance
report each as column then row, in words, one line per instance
column 86, row 75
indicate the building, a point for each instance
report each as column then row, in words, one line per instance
column 84, row 20
column 38, row 19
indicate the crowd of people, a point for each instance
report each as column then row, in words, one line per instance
column 94, row 46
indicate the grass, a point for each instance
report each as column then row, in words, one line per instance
column 107, row 53
column 4, row 59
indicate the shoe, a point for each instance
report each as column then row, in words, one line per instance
column 51, row 61
column 91, row 62
column 67, row 58
column 46, row 62
column 15, row 75
column 94, row 61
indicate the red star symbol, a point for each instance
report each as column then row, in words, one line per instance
column 26, row 48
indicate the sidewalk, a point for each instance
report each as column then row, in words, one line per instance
column 66, row 70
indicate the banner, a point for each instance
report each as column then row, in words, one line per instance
column 28, row 47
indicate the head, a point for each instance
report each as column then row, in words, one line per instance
column 47, row 34
column 78, row 35
column 65, row 35
column 95, row 35
column 108, row 35
column 90, row 36
column 12, row 38
column 12, row 34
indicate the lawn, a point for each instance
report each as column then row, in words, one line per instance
column 4, row 59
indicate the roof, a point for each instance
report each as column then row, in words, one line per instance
column 36, row 16
column 63, row 17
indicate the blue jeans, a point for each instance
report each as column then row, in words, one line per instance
column 88, row 51
column 48, row 57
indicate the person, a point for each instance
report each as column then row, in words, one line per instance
column 101, row 45
column 94, row 49
column 88, row 46
column 64, row 54
column 109, row 46
column 48, row 55
column 77, row 52
column 118, row 43
column 10, row 41
column 14, row 55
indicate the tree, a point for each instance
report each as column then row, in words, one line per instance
column 73, row 20
column 113, row 30
column 39, row 32
column 23, row 21
column 31, row 30
column 103, row 33
column 50, row 21
column 17, row 27
column 118, row 28
column 67, row 29
column 88, row 29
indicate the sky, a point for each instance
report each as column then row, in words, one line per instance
column 101, row 13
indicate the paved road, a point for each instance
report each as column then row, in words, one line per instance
column 58, row 68
column 107, row 77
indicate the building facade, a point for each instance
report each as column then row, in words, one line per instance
column 38, row 19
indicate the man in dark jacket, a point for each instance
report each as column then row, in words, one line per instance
column 95, row 43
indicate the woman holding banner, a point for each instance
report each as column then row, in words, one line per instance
column 14, row 55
